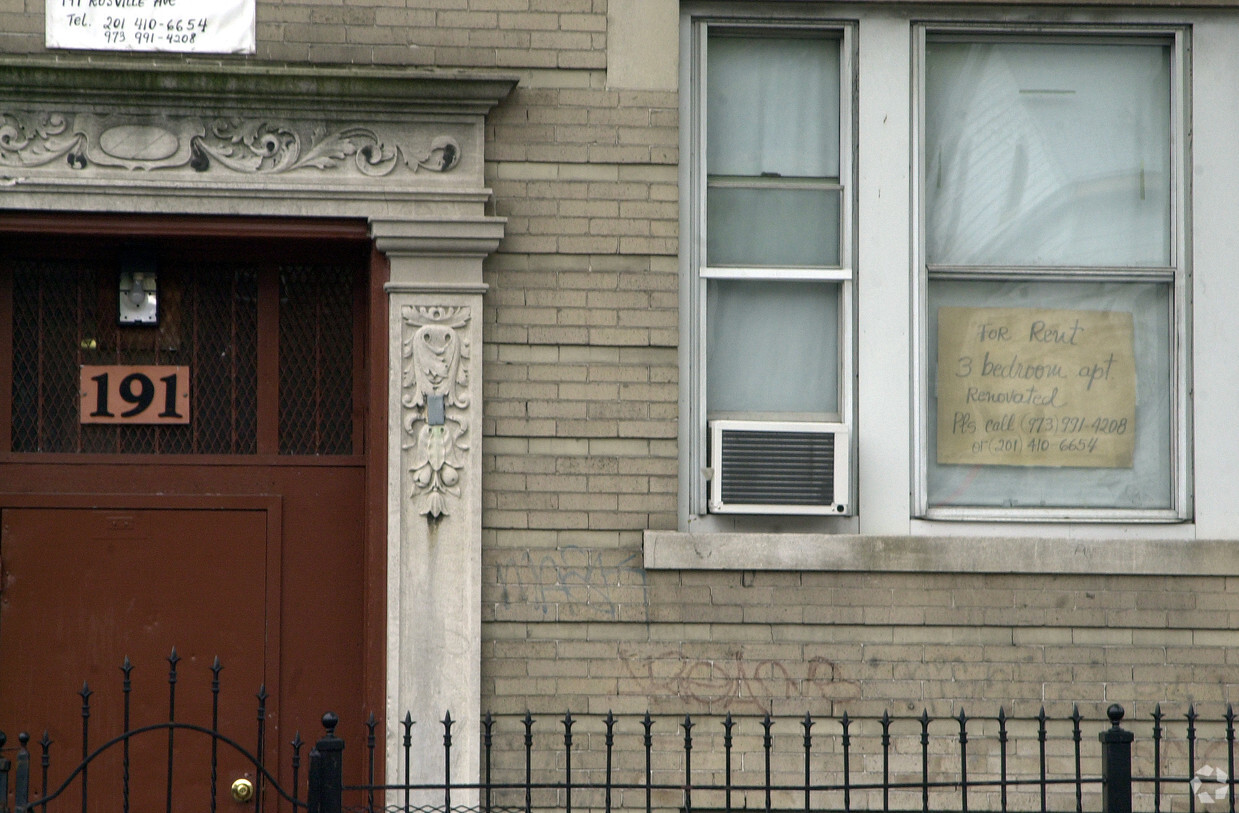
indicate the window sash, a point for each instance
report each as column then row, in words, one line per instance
column 795, row 134
column 755, row 226
column 1047, row 153
column 833, row 269
column 779, row 374
column 700, row 31
column 1172, row 273
column 1139, row 424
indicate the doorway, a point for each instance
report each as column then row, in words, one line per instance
column 253, row 530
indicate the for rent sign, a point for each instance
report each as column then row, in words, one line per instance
column 1033, row 387
column 184, row 26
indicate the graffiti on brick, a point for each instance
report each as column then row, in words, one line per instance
column 733, row 684
column 600, row 579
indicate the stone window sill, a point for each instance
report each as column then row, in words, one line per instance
column 673, row 550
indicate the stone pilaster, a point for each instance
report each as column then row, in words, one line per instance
column 434, row 488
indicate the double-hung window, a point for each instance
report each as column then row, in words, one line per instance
column 1053, row 266
column 770, row 283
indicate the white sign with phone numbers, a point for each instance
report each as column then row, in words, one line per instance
column 178, row 26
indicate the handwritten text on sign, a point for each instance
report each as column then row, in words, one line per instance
column 1033, row 387
column 182, row 26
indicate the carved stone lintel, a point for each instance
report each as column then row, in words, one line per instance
column 435, row 398
column 251, row 146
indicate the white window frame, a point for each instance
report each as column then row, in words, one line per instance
column 892, row 528
column 1177, row 275
column 694, row 471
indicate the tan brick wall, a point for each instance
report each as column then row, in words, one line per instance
column 567, row 628
column 580, row 455
column 581, row 371
column 580, row 389
column 477, row 33
column 823, row 643
column 581, row 394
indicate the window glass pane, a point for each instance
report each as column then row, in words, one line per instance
column 1050, row 394
column 772, row 347
column 772, row 227
column 1047, row 153
column 772, row 104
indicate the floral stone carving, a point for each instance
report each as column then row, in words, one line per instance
column 435, row 396
column 248, row 146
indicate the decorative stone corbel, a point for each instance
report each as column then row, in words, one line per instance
column 435, row 397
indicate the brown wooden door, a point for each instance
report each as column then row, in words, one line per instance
column 138, row 582
column 255, row 532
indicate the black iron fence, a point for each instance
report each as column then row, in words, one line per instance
column 812, row 764
column 643, row 764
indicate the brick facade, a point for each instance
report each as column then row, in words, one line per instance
column 587, row 628
column 581, row 398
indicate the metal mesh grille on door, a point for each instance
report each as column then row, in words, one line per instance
column 316, row 360
column 64, row 316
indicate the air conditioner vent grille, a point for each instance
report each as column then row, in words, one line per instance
column 788, row 468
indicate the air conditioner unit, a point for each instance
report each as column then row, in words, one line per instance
column 765, row 467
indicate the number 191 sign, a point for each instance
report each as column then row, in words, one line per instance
column 147, row 394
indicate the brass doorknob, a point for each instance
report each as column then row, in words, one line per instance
column 242, row 790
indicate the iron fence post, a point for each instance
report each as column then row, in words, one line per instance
column 4, row 777
column 326, row 791
column 21, row 792
column 1115, row 764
